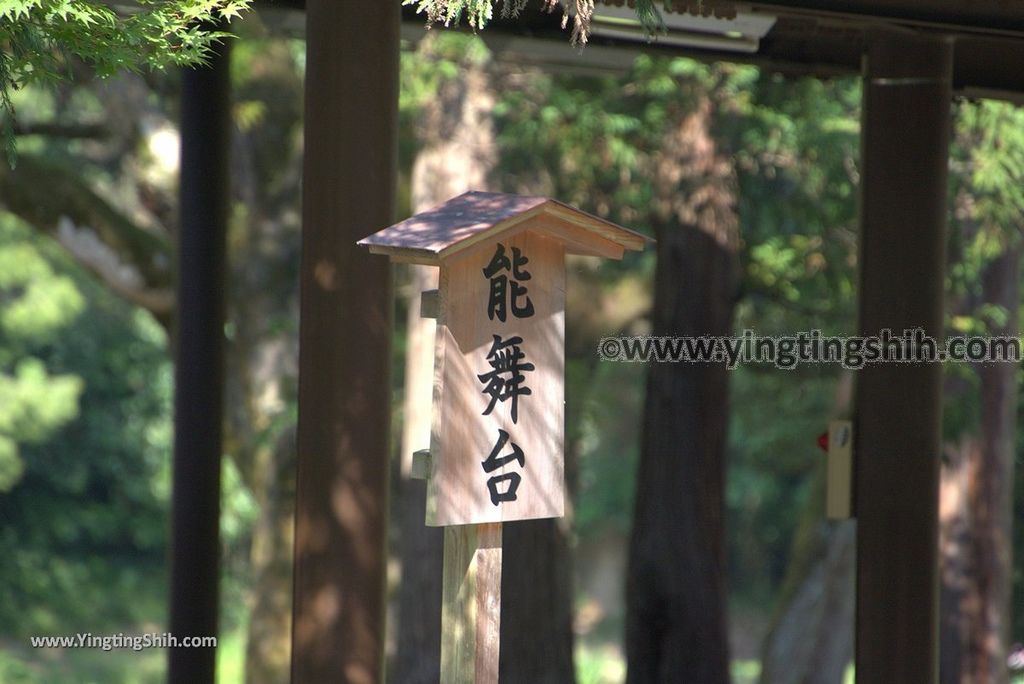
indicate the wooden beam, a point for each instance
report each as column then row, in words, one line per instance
column 898, row 417
column 994, row 17
column 577, row 240
column 199, row 366
column 824, row 43
column 349, row 186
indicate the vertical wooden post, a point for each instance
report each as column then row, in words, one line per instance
column 349, row 185
column 199, row 366
column 905, row 134
column 471, row 604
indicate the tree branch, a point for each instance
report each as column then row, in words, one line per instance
column 133, row 262
column 68, row 131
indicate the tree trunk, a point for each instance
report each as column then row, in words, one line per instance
column 536, row 606
column 268, row 647
column 992, row 489
column 675, row 623
column 954, row 557
column 977, row 535
column 262, row 370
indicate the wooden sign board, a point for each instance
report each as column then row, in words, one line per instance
column 497, row 433
column 496, row 445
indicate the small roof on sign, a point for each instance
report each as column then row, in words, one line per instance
column 477, row 217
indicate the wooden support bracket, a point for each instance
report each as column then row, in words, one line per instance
column 430, row 304
column 420, row 465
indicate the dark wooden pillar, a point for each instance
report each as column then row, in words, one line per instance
column 349, row 179
column 199, row 366
column 906, row 129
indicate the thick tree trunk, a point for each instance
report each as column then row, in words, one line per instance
column 675, row 627
column 992, row 488
column 261, row 382
column 536, row 607
column 675, row 624
column 977, row 507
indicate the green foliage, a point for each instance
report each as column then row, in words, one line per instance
column 34, row 405
column 599, row 140
column 612, row 396
column 83, row 530
column 451, row 12
column 986, row 181
column 83, row 666
column 797, row 171
column 40, row 38
column 438, row 59
column 773, row 458
column 425, row 70
column 479, row 12
column 597, row 665
column 36, row 305
column 990, row 151
column 987, row 194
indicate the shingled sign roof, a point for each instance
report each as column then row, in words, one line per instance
column 475, row 217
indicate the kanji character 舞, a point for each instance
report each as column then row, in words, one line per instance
column 505, row 380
